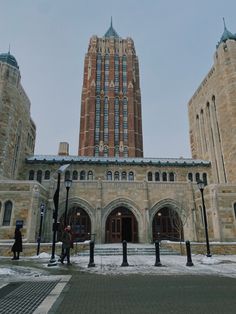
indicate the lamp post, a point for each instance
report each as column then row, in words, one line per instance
column 201, row 186
column 68, row 184
column 52, row 261
column 42, row 207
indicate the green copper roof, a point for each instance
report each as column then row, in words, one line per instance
column 111, row 32
column 9, row 59
column 226, row 35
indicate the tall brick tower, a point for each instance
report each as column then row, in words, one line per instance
column 111, row 119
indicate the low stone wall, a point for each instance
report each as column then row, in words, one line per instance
column 30, row 249
column 223, row 248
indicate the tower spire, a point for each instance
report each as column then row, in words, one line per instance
column 111, row 22
column 224, row 23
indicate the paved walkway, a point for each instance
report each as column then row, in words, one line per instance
column 138, row 294
column 92, row 293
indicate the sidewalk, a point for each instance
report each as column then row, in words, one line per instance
column 139, row 288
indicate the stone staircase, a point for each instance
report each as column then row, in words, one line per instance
column 132, row 249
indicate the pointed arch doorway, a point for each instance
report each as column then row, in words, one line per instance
column 121, row 225
column 80, row 223
column 167, row 225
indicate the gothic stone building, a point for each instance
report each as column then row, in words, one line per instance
column 116, row 193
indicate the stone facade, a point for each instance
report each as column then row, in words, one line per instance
column 121, row 197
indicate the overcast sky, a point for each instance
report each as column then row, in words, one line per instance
column 175, row 41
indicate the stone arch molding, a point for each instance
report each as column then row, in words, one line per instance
column 76, row 201
column 128, row 203
column 168, row 202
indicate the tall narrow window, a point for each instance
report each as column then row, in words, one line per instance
column 106, row 78
column 190, row 176
column 7, row 213
column 31, row 175
column 204, row 178
column 149, row 176
column 164, row 176
column 125, row 153
column 124, row 74
column 82, row 175
column 171, row 177
column 105, row 152
column 17, row 148
column 117, row 120
column 97, row 119
column 116, row 78
column 96, row 151
column 117, row 152
column 106, row 120
column 90, row 175
column 131, row 176
column 125, row 121
column 197, row 177
column 47, row 175
column 124, row 176
column 98, row 73
column 157, row 176
column 39, row 176
column 75, row 175
column 109, row 175
column 116, row 176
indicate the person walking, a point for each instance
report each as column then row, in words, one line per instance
column 17, row 246
column 67, row 244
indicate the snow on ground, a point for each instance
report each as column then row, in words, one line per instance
column 220, row 265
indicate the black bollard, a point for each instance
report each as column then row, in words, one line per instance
column 189, row 258
column 158, row 262
column 91, row 254
column 124, row 263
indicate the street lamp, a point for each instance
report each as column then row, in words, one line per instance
column 201, row 186
column 52, row 261
column 42, row 207
column 68, row 184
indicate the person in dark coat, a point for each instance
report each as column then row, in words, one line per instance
column 17, row 246
column 67, row 244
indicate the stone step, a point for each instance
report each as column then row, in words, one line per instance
column 109, row 251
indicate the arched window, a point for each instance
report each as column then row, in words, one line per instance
column 39, row 176
column 149, row 176
column 7, row 214
column 190, row 176
column 75, row 175
column 131, row 176
column 90, row 175
column 109, row 175
column 235, row 210
column 47, row 175
column 157, row 176
column 124, row 176
column 31, row 175
column 197, row 177
column 164, row 176
column 116, row 176
column 67, row 175
column 171, row 177
column 82, row 175
column 204, row 178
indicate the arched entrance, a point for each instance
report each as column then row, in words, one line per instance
column 167, row 225
column 121, row 225
column 80, row 223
